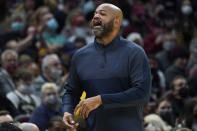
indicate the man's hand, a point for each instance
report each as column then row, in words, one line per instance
column 87, row 105
column 70, row 123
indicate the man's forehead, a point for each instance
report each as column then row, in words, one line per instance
column 103, row 8
column 110, row 8
column 107, row 6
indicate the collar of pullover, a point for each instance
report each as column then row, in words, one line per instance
column 110, row 45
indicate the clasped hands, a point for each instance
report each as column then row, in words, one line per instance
column 82, row 110
column 86, row 106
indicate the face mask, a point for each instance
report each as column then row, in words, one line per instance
column 165, row 115
column 80, row 32
column 88, row 7
column 168, row 45
column 52, row 24
column 56, row 73
column 11, row 68
column 183, row 92
column 17, row 26
column 51, row 100
column 150, row 127
column 24, row 89
column 186, row 9
column 60, row 7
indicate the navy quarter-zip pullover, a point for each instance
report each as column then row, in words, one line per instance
column 120, row 73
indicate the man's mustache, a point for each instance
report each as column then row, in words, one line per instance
column 91, row 24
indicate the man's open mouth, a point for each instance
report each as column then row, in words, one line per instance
column 97, row 23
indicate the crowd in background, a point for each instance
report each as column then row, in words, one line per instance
column 39, row 37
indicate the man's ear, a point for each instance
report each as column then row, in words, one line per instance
column 117, row 22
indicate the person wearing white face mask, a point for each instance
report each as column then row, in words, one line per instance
column 186, row 9
column 22, row 99
column 51, row 72
column 186, row 23
column 169, row 43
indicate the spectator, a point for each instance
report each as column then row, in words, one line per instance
column 46, row 25
column 137, row 17
column 5, row 9
column 154, row 123
column 185, row 26
column 17, row 24
column 80, row 29
column 164, row 56
column 180, row 93
column 22, row 98
column 158, row 79
column 164, row 110
column 136, row 38
column 53, row 40
column 27, row 8
column 153, row 41
column 49, row 107
column 51, row 72
column 80, row 42
column 192, row 80
column 5, row 117
column 24, row 61
column 9, row 61
column 34, row 68
column 22, row 45
column 180, row 56
column 6, row 104
column 188, row 117
column 193, row 55
column 28, row 127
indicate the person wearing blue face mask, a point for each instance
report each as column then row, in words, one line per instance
column 17, row 26
column 52, row 24
column 53, row 40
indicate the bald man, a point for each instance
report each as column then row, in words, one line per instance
column 115, row 74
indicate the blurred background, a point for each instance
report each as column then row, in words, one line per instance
column 39, row 37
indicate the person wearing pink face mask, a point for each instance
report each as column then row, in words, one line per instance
column 9, row 60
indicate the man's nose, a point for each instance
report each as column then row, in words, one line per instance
column 96, row 16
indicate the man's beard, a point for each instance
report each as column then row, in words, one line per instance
column 104, row 31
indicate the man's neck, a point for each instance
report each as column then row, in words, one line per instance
column 107, row 39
